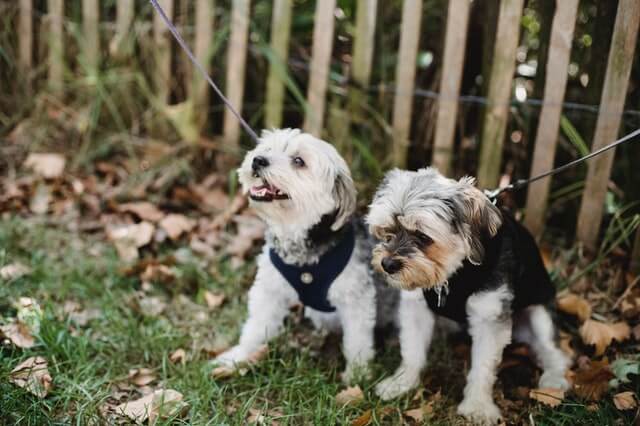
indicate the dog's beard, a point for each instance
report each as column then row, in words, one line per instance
column 417, row 271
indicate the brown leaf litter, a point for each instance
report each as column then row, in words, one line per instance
column 32, row 375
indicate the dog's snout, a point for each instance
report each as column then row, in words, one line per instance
column 259, row 162
column 391, row 265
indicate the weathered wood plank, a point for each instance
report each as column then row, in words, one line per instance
column 497, row 111
column 621, row 54
column 199, row 91
column 25, row 35
column 121, row 43
column 452, row 67
column 635, row 255
column 280, row 32
column 90, row 34
column 236, row 64
column 554, row 89
column 364, row 41
column 405, row 79
column 162, row 41
column 320, row 61
column 56, row 42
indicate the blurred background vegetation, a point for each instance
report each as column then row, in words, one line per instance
column 113, row 112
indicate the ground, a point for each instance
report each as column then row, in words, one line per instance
column 291, row 385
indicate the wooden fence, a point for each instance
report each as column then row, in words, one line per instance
column 619, row 63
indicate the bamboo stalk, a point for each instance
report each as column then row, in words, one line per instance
column 199, row 90
column 25, row 33
column 91, row 36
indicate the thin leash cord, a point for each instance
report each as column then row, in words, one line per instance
column 247, row 128
column 524, row 182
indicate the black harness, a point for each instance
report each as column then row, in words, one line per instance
column 312, row 281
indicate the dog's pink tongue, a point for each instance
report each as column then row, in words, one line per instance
column 262, row 190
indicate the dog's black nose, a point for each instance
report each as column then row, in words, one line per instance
column 391, row 265
column 258, row 163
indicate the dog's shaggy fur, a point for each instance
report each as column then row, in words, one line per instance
column 302, row 188
column 444, row 240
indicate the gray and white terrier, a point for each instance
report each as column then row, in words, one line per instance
column 314, row 253
column 444, row 241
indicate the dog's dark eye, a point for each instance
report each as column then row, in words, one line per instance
column 424, row 239
column 387, row 238
column 298, row 162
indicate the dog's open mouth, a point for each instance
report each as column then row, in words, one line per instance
column 266, row 192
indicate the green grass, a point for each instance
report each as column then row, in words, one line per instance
column 300, row 385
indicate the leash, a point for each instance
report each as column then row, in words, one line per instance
column 521, row 183
column 247, row 128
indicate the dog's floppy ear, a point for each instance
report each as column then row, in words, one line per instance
column 344, row 195
column 483, row 218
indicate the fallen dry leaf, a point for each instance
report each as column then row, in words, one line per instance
column 601, row 334
column 364, row 419
column 159, row 404
column 425, row 410
column 575, row 305
column 178, row 356
column 143, row 209
column 625, row 400
column 176, row 224
column 141, row 376
column 350, row 396
column 49, row 166
column 32, row 375
column 158, row 273
column 213, row 300
column 547, row 396
column 129, row 238
column 14, row 271
column 40, row 200
column 592, row 381
column 19, row 334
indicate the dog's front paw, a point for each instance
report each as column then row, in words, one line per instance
column 553, row 379
column 398, row 384
column 355, row 373
column 232, row 357
column 480, row 411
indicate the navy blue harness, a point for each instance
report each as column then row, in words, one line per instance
column 312, row 281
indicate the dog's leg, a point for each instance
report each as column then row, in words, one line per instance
column 490, row 329
column 416, row 323
column 269, row 302
column 535, row 327
column 358, row 319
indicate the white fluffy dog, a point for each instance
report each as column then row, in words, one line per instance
column 314, row 254
column 443, row 240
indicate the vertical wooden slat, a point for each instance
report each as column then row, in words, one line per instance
column 280, row 32
column 453, row 63
column 405, row 79
column 364, row 41
column 25, row 35
column 199, row 92
column 236, row 63
column 162, row 40
column 320, row 62
column 623, row 43
column 125, row 12
column 635, row 255
column 554, row 89
column 90, row 33
column 56, row 42
column 497, row 111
